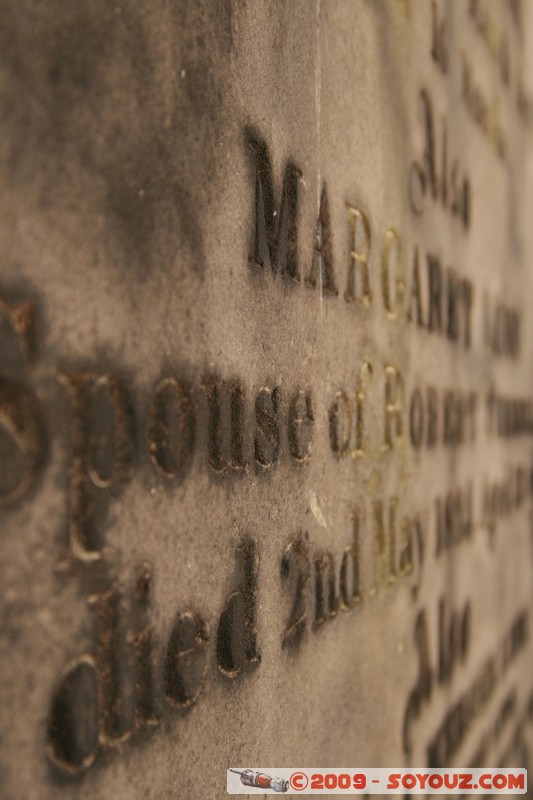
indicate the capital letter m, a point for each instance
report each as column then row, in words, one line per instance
column 275, row 234
column 516, row 781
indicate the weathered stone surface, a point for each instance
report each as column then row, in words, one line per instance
column 265, row 301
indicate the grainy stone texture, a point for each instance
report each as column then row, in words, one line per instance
column 265, row 296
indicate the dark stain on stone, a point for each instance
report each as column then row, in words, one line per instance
column 112, row 112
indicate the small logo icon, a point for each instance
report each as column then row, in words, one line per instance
column 261, row 781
